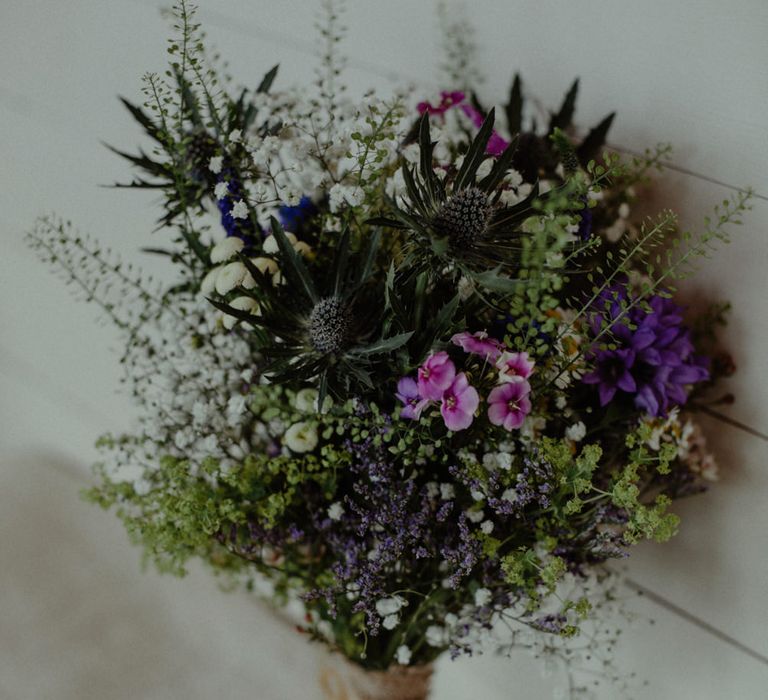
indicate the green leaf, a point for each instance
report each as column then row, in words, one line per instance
column 268, row 79
column 500, row 167
column 293, row 266
column 383, row 345
column 564, row 117
column 340, row 262
column 595, row 139
column 475, row 154
column 514, row 108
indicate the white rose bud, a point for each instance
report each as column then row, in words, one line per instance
column 208, row 285
column 226, row 249
column 270, row 243
column 230, row 276
column 241, row 304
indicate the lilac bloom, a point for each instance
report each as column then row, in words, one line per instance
column 479, row 343
column 508, row 404
column 435, row 376
column 459, row 403
column 408, row 393
column 514, row 366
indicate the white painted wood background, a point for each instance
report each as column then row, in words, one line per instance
column 77, row 618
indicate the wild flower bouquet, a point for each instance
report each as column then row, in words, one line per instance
column 417, row 366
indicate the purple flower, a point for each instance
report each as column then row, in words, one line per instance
column 408, row 393
column 508, row 404
column 435, row 376
column 514, row 367
column 478, row 344
column 459, row 403
column 654, row 358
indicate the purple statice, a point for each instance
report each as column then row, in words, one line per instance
column 293, row 218
column 653, row 358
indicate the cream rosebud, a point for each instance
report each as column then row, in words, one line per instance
column 230, row 276
column 301, row 437
column 226, row 249
column 208, row 285
column 302, row 248
column 241, row 304
column 265, row 265
column 270, row 243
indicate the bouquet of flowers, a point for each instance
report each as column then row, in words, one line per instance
column 417, row 366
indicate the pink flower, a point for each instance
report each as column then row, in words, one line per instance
column 514, row 366
column 460, row 401
column 435, row 376
column 496, row 144
column 447, row 100
column 509, row 404
column 408, row 393
column 478, row 344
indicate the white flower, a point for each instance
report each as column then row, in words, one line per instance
column 335, row 511
column 390, row 606
column 209, row 281
column 270, row 243
column 241, row 304
column 239, row 210
column 266, row 265
column 235, row 136
column 576, row 432
column 306, row 400
column 226, row 249
column 403, row 655
column 215, row 164
column 475, row 516
column 436, row 636
column 447, row 492
column 232, row 275
column 487, row 527
column 390, row 622
column 509, row 495
column 220, row 191
column 482, row 597
column 624, row 210
column 302, row 248
column 301, row 437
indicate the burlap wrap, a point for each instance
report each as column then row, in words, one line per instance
column 342, row 680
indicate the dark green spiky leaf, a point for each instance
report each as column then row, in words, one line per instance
column 563, row 118
column 491, row 181
column 340, row 262
column 386, row 222
column 143, row 118
column 268, row 79
column 495, row 282
column 514, row 108
column 368, row 258
column 595, row 139
column 426, row 149
column 475, row 154
column 293, row 266
column 383, row 345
